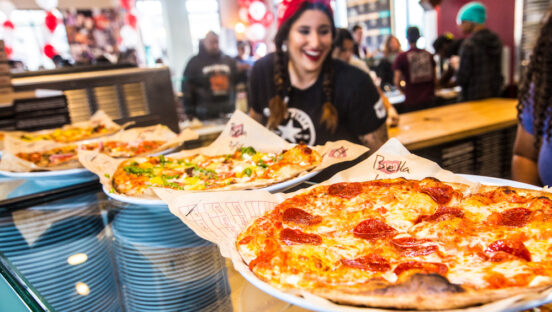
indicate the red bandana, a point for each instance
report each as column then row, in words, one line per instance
column 287, row 8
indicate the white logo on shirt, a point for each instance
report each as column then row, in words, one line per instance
column 379, row 108
column 297, row 127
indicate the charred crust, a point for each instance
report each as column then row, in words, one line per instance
column 421, row 284
column 432, row 179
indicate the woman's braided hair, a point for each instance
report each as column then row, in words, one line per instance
column 278, row 104
column 538, row 79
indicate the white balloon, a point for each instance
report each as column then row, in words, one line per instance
column 47, row 5
column 255, row 32
column 257, row 10
column 7, row 8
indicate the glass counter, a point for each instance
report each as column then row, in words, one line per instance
column 87, row 253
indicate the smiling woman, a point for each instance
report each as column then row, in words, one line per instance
column 302, row 94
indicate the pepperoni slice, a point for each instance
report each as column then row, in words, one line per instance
column 345, row 190
column 501, row 249
column 296, row 237
column 373, row 229
column 505, row 194
column 368, row 263
column 515, row 217
column 442, row 213
column 299, row 216
column 426, row 267
column 441, row 194
column 411, row 247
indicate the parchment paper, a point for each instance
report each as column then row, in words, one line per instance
column 13, row 145
column 153, row 133
column 221, row 218
column 240, row 131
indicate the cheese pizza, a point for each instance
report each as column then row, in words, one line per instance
column 121, row 149
column 69, row 133
column 243, row 169
column 405, row 244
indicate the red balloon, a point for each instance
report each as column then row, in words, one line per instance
column 49, row 50
column 8, row 24
column 132, row 20
column 51, row 21
column 127, row 4
column 9, row 51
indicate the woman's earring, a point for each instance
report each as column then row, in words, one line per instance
column 284, row 47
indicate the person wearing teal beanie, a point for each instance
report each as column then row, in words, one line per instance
column 471, row 16
column 480, row 70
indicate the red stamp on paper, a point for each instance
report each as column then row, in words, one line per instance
column 338, row 153
column 237, row 130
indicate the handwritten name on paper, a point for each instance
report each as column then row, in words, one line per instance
column 390, row 166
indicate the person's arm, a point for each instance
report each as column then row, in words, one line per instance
column 253, row 114
column 524, row 161
column 374, row 140
column 392, row 115
column 464, row 67
column 397, row 79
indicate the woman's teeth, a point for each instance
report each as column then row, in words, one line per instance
column 312, row 53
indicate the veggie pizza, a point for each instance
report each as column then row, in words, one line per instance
column 245, row 168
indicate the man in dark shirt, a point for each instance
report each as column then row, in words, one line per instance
column 209, row 80
column 416, row 68
column 479, row 73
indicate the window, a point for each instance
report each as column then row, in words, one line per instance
column 152, row 29
column 30, row 35
column 203, row 16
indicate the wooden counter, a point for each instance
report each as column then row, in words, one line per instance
column 444, row 124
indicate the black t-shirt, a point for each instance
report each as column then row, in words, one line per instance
column 209, row 85
column 360, row 109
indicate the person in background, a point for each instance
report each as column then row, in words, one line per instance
column 391, row 50
column 532, row 160
column 479, row 72
column 442, row 46
column 416, row 69
column 343, row 50
column 209, row 79
column 244, row 61
column 303, row 94
column 360, row 49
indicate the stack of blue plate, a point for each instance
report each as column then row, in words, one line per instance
column 164, row 266
column 63, row 252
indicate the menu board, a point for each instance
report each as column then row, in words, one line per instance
column 375, row 16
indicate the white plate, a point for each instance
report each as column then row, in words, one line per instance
column 54, row 174
column 314, row 306
column 157, row 202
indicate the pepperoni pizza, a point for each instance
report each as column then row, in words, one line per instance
column 405, row 244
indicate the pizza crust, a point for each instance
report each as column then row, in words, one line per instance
column 420, row 292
